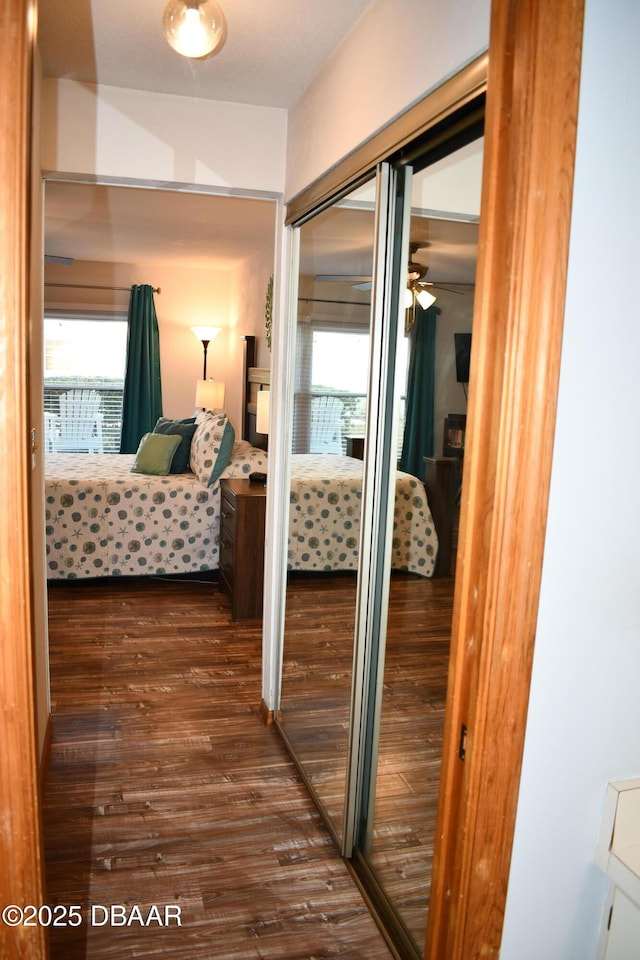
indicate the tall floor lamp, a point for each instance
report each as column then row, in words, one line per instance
column 205, row 335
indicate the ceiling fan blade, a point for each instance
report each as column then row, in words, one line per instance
column 341, row 278
column 50, row 258
column 448, row 286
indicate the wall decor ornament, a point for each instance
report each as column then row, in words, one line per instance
column 268, row 311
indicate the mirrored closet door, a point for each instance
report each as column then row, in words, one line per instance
column 394, row 844
column 385, row 299
column 328, row 430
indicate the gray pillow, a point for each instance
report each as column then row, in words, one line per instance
column 185, row 430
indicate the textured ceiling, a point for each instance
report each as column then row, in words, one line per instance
column 110, row 224
column 272, row 51
column 273, row 47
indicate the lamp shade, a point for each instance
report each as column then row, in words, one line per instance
column 263, row 406
column 206, row 334
column 425, row 299
column 194, row 28
column 210, row 394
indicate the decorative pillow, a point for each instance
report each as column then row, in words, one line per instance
column 155, row 453
column 185, row 429
column 211, row 447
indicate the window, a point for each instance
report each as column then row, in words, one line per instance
column 331, row 386
column 331, row 392
column 87, row 352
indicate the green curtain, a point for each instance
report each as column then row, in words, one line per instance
column 142, row 397
column 419, row 427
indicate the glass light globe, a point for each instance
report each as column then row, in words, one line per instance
column 425, row 299
column 194, row 28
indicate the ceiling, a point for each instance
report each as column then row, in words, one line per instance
column 272, row 51
column 108, row 224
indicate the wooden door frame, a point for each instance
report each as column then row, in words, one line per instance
column 21, row 876
column 530, row 136
column 529, row 156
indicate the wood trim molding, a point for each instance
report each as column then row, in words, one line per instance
column 267, row 715
column 21, row 876
column 530, row 133
column 45, row 756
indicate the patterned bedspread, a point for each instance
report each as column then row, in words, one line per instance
column 324, row 517
column 103, row 520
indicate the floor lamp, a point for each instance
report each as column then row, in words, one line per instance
column 205, row 335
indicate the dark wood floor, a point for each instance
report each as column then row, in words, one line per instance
column 164, row 788
column 316, row 699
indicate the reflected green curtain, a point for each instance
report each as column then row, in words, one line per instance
column 142, row 397
column 419, row 427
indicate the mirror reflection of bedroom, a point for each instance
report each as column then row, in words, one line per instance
column 149, row 296
column 326, row 675
column 205, row 262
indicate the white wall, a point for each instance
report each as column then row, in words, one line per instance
column 396, row 53
column 456, row 316
column 247, row 317
column 109, row 132
column 233, row 300
column 584, row 715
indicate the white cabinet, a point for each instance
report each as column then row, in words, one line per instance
column 618, row 854
column 622, row 939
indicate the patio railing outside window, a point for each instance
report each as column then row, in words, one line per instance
column 352, row 419
column 110, row 406
column 86, row 350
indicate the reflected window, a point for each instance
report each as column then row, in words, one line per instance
column 83, row 352
column 331, row 386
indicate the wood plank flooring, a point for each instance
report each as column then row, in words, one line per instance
column 165, row 788
column 316, row 697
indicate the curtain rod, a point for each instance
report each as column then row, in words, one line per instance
column 92, row 286
column 347, row 303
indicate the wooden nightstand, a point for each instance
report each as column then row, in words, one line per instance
column 242, row 517
column 355, row 447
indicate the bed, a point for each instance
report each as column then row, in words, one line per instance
column 104, row 520
column 324, row 505
column 324, row 517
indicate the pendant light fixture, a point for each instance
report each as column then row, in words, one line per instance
column 194, row 28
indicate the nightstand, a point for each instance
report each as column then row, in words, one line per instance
column 242, row 517
column 355, row 447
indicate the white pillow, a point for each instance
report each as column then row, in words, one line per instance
column 211, row 447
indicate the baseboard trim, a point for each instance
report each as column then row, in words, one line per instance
column 45, row 756
column 266, row 714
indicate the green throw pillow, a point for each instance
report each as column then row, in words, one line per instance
column 185, row 430
column 155, row 453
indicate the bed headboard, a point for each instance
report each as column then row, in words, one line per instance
column 255, row 379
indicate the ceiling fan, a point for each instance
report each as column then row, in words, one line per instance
column 417, row 284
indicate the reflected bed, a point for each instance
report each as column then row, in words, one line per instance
column 324, row 517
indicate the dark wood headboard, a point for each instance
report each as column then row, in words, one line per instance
column 255, row 379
